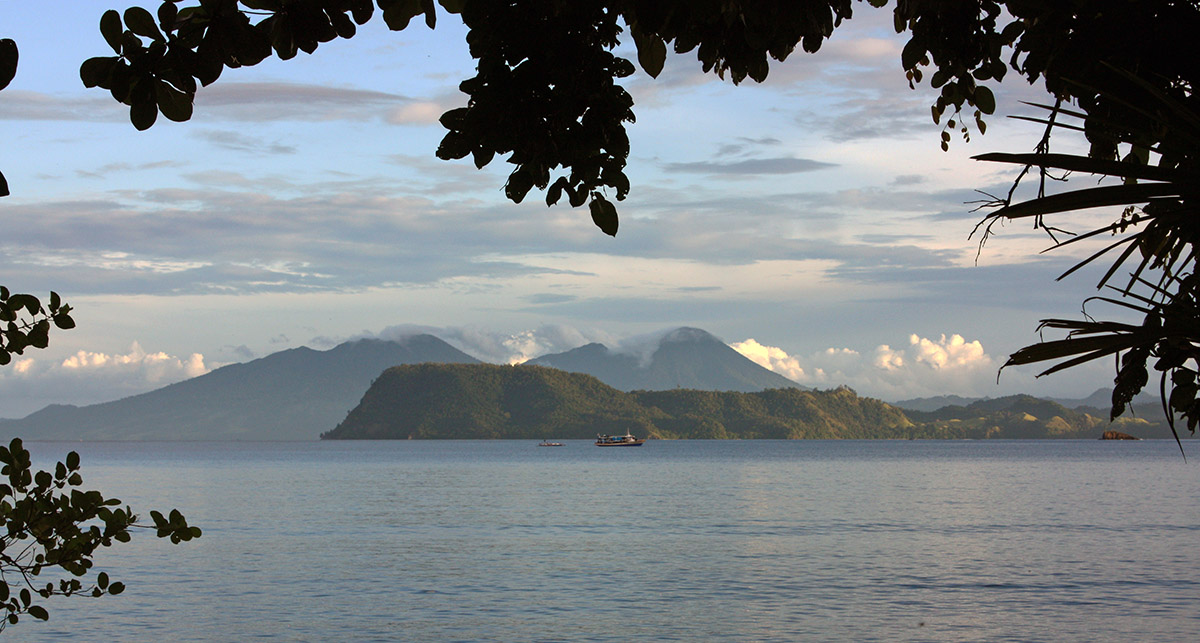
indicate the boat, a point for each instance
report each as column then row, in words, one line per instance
column 626, row 440
column 545, row 443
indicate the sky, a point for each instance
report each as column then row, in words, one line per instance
column 811, row 221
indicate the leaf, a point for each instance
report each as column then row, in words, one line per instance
column 362, row 11
column 142, row 23
column 110, row 28
column 985, row 100
column 652, row 52
column 28, row 302
column 167, row 14
column 482, row 157
column 3, row 185
column 1090, row 165
column 173, row 103
column 8, row 61
column 912, row 53
column 1088, row 198
column 39, row 612
column 143, row 114
column 519, row 184
column 430, row 13
column 39, row 337
column 398, row 13
column 554, row 192
column 1045, row 351
column 604, row 214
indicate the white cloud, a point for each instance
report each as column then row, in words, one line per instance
column 887, row 359
column 770, row 357
column 927, row 367
column 137, row 364
column 501, row 347
column 91, row 377
column 952, row 353
column 416, row 113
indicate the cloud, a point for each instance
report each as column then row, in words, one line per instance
column 952, row 353
column 152, row 368
column 91, row 377
column 549, row 298
column 239, row 142
column 499, row 347
column 772, row 358
column 252, row 102
column 424, row 112
column 21, row 105
column 744, row 144
column 750, row 166
column 263, row 102
column 926, row 367
column 119, row 167
column 908, row 179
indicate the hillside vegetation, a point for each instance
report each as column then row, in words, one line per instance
column 485, row 401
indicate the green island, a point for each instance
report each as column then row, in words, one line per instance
column 487, row 401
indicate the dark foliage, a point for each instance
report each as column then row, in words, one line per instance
column 49, row 524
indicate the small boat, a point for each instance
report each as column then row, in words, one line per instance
column 544, row 443
column 626, row 440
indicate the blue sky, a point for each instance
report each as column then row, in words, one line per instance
column 811, row 221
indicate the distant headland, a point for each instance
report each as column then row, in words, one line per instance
column 487, row 401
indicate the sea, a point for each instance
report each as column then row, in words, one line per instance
column 673, row 541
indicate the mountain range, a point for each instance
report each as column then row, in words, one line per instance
column 1100, row 400
column 683, row 358
column 299, row 393
column 290, row 395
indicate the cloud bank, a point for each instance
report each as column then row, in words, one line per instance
column 926, row 367
column 88, row 377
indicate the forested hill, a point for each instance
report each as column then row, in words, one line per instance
column 484, row 401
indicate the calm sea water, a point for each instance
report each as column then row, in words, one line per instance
column 674, row 541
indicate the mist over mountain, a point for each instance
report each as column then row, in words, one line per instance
column 687, row 358
column 294, row 394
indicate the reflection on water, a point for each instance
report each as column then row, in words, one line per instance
column 750, row 541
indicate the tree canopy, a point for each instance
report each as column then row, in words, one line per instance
column 49, row 524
